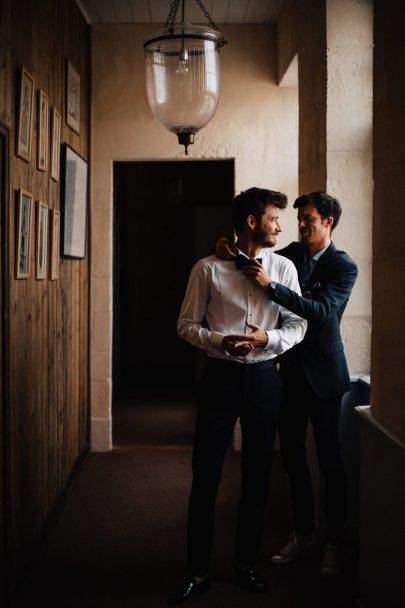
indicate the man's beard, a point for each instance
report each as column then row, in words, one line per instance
column 264, row 239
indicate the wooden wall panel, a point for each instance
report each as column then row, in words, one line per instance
column 48, row 369
column 4, row 397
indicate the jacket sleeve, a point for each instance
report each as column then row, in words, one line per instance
column 292, row 327
column 324, row 299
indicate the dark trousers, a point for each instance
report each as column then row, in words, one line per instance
column 230, row 390
column 300, row 406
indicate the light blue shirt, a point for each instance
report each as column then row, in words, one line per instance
column 315, row 258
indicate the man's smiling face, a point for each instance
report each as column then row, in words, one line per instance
column 314, row 229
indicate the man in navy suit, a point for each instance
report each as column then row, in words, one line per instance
column 314, row 373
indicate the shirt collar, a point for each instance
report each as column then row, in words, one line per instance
column 259, row 254
column 316, row 257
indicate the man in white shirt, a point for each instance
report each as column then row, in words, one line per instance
column 240, row 381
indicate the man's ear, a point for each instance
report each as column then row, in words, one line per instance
column 329, row 221
column 251, row 222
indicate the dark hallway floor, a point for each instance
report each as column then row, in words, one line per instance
column 119, row 540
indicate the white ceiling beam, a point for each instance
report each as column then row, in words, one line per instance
column 156, row 11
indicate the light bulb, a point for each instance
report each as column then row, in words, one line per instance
column 182, row 68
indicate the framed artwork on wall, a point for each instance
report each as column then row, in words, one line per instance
column 43, row 131
column 25, row 115
column 55, row 244
column 42, row 239
column 55, row 145
column 24, row 212
column 74, row 199
column 72, row 97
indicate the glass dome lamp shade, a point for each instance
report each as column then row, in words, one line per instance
column 182, row 71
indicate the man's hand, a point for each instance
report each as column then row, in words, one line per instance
column 258, row 337
column 237, row 345
column 241, row 344
column 255, row 271
column 225, row 250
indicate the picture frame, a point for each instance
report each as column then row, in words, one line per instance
column 43, row 131
column 72, row 98
column 55, row 244
column 24, row 213
column 74, row 203
column 25, row 115
column 42, row 240
column 55, row 145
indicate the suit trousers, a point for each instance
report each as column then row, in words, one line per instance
column 300, row 406
column 228, row 390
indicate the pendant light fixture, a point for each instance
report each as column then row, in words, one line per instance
column 183, row 73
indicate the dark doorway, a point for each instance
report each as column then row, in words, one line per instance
column 166, row 216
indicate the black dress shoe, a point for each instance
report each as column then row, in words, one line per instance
column 251, row 580
column 189, row 589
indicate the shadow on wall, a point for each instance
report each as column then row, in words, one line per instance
column 350, row 446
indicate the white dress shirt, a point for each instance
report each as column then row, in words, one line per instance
column 220, row 299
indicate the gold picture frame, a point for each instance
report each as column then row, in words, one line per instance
column 25, row 115
column 24, row 213
column 55, row 244
column 72, row 98
column 43, row 131
column 55, row 145
column 42, row 240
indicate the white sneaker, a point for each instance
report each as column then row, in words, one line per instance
column 297, row 546
column 332, row 561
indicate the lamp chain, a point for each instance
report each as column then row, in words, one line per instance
column 211, row 21
column 171, row 18
column 206, row 13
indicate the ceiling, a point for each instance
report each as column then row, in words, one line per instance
column 156, row 11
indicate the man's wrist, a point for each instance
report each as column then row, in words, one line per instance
column 271, row 286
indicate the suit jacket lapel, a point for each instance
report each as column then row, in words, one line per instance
column 324, row 259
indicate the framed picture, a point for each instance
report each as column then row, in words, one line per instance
column 43, row 131
column 25, row 115
column 55, row 145
column 55, row 244
column 74, row 198
column 42, row 239
column 24, row 209
column 72, row 98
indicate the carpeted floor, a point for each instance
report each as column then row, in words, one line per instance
column 119, row 540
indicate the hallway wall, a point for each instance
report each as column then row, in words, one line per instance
column 46, row 342
column 389, row 219
column 382, row 531
column 334, row 43
column 256, row 124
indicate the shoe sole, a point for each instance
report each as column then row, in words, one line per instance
column 174, row 600
column 291, row 560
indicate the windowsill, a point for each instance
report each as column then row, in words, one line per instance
column 366, row 415
column 360, row 378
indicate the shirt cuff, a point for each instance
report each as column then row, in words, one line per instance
column 216, row 340
column 272, row 341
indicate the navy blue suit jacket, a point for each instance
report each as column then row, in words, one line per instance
column 327, row 291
